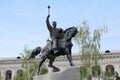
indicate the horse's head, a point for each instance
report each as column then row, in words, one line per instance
column 74, row 31
column 70, row 32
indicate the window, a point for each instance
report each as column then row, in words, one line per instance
column 8, row 75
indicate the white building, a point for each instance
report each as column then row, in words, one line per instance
column 10, row 67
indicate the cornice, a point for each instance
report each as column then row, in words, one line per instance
column 59, row 59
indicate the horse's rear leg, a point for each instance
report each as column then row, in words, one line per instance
column 40, row 64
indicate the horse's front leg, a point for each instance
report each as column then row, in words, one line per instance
column 55, row 69
column 51, row 60
column 69, row 57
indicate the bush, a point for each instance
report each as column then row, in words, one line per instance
column 43, row 71
column 109, row 73
column 83, row 72
column 95, row 69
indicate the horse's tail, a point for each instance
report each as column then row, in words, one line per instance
column 35, row 52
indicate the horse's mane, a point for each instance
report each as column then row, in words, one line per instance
column 70, row 32
column 68, row 29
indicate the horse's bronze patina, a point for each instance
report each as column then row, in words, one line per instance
column 65, row 46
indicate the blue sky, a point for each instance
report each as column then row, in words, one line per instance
column 22, row 22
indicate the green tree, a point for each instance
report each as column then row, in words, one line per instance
column 83, row 72
column 89, row 46
column 109, row 74
column 20, row 76
column 43, row 70
column 29, row 67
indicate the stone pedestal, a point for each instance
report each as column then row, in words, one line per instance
column 71, row 73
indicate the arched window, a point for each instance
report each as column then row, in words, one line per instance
column 8, row 75
column 110, row 73
column 109, row 68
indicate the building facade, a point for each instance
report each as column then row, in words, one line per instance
column 10, row 67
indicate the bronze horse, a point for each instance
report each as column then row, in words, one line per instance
column 65, row 46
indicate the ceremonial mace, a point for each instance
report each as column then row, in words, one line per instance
column 48, row 10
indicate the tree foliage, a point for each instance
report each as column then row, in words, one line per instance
column 29, row 67
column 43, row 70
column 83, row 72
column 89, row 45
column 20, row 76
column 96, row 70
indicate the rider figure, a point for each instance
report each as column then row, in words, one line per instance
column 55, row 34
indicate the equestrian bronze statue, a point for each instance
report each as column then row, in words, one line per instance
column 60, row 44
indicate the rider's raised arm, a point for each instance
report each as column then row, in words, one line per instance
column 48, row 23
